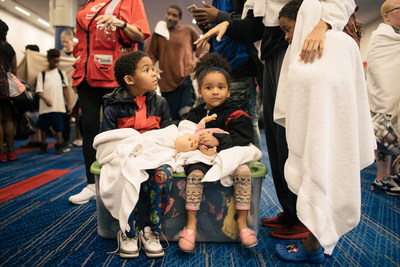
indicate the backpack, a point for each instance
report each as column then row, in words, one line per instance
column 61, row 76
column 36, row 97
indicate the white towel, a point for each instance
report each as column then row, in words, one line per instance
column 383, row 69
column 126, row 155
column 161, row 29
column 324, row 107
column 268, row 9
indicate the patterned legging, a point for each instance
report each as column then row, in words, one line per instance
column 241, row 184
column 156, row 191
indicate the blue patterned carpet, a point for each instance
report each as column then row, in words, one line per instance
column 41, row 228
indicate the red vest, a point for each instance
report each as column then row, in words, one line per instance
column 96, row 56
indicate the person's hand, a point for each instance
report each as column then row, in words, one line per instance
column 69, row 110
column 314, row 43
column 109, row 21
column 48, row 102
column 218, row 30
column 206, row 15
column 208, row 140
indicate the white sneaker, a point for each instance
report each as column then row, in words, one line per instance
column 128, row 247
column 151, row 243
column 88, row 193
column 77, row 142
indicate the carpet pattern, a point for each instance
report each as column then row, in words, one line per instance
column 41, row 228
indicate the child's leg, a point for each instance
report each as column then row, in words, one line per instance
column 59, row 138
column 194, row 193
column 158, row 188
column 132, row 222
column 43, row 134
column 242, row 189
column 383, row 164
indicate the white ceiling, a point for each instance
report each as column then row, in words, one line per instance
column 369, row 10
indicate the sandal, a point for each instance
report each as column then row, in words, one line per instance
column 298, row 253
column 187, row 240
column 248, row 238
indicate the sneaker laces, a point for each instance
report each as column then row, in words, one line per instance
column 124, row 238
column 166, row 240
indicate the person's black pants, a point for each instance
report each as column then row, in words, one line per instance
column 90, row 100
column 275, row 135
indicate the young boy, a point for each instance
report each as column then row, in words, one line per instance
column 51, row 88
column 136, row 105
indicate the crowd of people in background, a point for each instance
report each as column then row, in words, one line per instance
column 308, row 102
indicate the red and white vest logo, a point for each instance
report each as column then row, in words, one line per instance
column 97, row 7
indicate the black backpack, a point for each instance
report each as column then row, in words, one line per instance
column 36, row 97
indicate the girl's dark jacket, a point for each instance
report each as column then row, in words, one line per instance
column 230, row 119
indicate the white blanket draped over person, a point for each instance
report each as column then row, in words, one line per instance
column 324, row 108
column 223, row 163
column 125, row 155
column 383, row 72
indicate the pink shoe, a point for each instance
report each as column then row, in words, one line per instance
column 187, row 240
column 248, row 238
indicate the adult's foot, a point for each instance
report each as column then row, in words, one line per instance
column 88, row 193
column 292, row 230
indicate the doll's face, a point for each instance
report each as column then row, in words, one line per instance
column 186, row 142
column 287, row 26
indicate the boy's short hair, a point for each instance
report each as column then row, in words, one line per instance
column 32, row 47
column 290, row 10
column 177, row 8
column 53, row 53
column 126, row 65
column 67, row 33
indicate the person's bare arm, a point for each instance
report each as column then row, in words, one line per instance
column 66, row 98
column 48, row 101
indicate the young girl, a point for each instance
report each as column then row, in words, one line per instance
column 212, row 72
column 324, row 108
column 136, row 105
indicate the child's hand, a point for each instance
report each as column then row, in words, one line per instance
column 49, row 102
column 69, row 110
column 208, row 140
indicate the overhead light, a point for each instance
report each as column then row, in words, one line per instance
column 45, row 23
column 194, row 21
column 22, row 11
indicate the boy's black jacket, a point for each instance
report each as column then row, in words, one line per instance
column 120, row 106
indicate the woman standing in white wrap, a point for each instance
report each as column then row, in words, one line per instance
column 324, row 108
column 260, row 22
